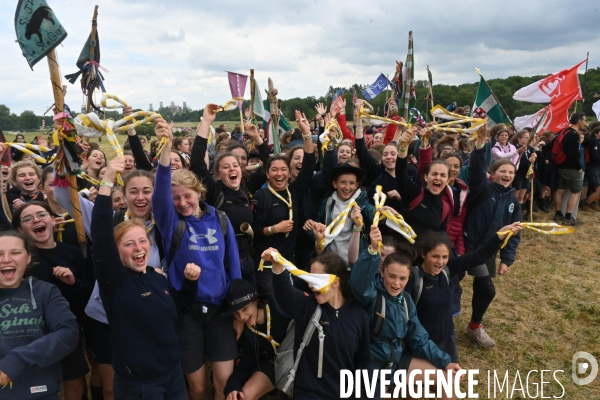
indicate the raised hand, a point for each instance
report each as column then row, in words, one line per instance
column 209, row 113
column 319, row 231
column 127, row 110
column 302, row 123
column 64, row 274
column 356, row 216
column 376, row 237
column 321, row 109
column 250, row 129
column 192, row 272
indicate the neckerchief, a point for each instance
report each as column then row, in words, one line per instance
column 336, row 226
column 37, row 196
column 268, row 335
column 149, row 227
column 289, row 204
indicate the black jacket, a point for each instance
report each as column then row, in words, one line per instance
column 570, row 145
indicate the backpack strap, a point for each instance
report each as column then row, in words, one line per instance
column 379, row 317
column 176, row 239
column 313, row 323
column 223, row 223
column 446, row 274
column 118, row 217
column 417, row 200
column 220, row 200
column 267, row 203
column 418, row 288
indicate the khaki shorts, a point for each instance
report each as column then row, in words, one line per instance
column 569, row 178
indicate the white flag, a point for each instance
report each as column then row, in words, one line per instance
column 596, row 109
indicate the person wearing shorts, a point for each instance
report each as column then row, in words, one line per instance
column 569, row 172
column 203, row 332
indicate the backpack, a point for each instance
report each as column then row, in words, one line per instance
column 417, row 200
column 418, row 288
column 558, row 152
column 285, row 364
column 267, row 203
column 379, row 322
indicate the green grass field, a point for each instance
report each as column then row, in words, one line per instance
column 546, row 309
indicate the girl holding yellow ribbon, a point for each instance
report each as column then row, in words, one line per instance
column 264, row 329
column 277, row 207
column 342, row 339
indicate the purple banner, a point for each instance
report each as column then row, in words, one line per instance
column 237, row 85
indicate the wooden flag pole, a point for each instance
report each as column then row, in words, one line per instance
column 59, row 105
column 92, row 51
column 531, row 200
column 252, row 88
column 430, row 91
column 409, row 59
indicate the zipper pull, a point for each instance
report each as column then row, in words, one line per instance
column 336, row 314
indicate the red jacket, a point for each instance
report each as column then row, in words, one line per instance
column 390, row 131
column 341, row 119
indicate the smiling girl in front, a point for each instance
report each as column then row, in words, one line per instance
column 203, row 333
column 142, row 308
column 31, row 353
column 344, row 323
column 491, row 206
column 433, row 294
column 401, row 324
column 26, row 176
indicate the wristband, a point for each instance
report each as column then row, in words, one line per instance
column 270, row 231
column 403, row 150
column 319, row 246
column 355, row 229
column 307, row 137
column 109, row 184
column 479, row 146
column 370, row 251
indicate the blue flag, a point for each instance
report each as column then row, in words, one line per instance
column 38, row 30
column 376, row 88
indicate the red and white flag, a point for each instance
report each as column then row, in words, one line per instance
column 563, row 83
column 556, row 120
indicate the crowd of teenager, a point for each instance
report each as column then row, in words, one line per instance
column 186, row 278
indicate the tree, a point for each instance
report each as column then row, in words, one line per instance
column 29, row 121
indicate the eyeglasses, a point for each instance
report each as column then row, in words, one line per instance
column 29, row 218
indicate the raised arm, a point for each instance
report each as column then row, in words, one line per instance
column 304, row 178
column 141, row 160
column 408, row 190
column 362, row 277
column 198, row 158
column 341, row 118
column 108, row 268
column 477, row 165
column 291, row 300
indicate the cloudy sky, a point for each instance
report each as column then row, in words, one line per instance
column 178, row 50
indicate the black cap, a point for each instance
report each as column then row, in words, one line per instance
column 347, row 168
column 240, row 293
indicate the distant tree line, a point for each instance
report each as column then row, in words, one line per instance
column 443, row 94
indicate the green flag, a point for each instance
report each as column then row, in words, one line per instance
column 486, row 105
column 273, row 134
column 38, row 30
column 84, row 56
column 257, row 107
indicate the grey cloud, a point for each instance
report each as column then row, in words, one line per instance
column 166, row 37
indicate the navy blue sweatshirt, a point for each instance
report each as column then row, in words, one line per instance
column 141, row 307
column 434, row 306
column 65, row 255
column 37, row 331
column 346, row 339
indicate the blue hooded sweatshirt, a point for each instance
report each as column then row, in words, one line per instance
column 37, row 330
column 202, row 244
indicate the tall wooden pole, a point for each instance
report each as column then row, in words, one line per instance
column 92, row 52
column 59, row 104
column 409, row 60
column 430, row 91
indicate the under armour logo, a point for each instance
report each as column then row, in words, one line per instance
column 210, row 236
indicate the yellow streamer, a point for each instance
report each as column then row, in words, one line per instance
column 336, row 226
column 534, row 226
column 456, row 119
column 90, row 125
column 319, row 282
column 366, row 113
column 325, row 138
column 27, row 149
column 379, row 198
column 399, row 225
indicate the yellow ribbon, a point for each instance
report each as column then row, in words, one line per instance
column 379, row 198
column 397, row 223
column 160, row 147
column 88, row 178
column 455, row 120
column 319, row 282
column 268, row 334
column 325, row 138
column 336, row 226
column 7, row 383
column 59, row 236
column 90, row 125
column 366, row 113
column 27, row 149
column 534, row 226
